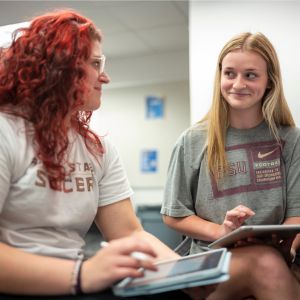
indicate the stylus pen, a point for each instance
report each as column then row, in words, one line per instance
column 135, row 254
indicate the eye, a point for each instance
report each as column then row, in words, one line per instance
column 229, row 74
column 96, row 64
column 251, row 75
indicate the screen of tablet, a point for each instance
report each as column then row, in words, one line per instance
column 205, row 262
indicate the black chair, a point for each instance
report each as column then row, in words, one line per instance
column 183, row 249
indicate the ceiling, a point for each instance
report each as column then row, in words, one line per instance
column 130, row 28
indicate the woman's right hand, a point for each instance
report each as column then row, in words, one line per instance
column 235, row 218
column 114, row 263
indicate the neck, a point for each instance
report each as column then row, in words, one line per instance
column 244, row 120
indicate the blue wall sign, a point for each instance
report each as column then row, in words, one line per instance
column 149, row 161
column 155, row 107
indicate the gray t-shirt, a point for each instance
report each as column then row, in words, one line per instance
column 261, row 175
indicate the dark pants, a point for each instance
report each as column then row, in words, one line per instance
column 105, row 295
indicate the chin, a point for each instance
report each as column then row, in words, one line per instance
column 95, row 107
column 94, row 104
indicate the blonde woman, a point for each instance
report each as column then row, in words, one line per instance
column 240, row 165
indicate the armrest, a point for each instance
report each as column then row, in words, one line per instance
column 183, row 248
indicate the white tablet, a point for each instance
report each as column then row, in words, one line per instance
column 194, row 270
column 243, row 232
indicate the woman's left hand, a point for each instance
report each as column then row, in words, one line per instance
column 283, row 245
column 200, row 292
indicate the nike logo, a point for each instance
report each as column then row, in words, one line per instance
column 263, row 155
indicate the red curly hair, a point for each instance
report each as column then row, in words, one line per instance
column 42, row 79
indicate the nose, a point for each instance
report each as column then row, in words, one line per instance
column 239, row 83
column 104, row 78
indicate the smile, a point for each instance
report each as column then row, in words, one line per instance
column 238, row 94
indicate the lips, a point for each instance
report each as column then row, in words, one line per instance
column 238, row 94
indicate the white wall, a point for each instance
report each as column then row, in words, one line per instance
column 212, row 24
column 156, row 68
column 122, row 117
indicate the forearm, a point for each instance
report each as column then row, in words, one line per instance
column 25, row 273
column 195, row 227
column 162, row 250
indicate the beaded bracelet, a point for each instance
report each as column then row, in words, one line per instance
column 76, row 278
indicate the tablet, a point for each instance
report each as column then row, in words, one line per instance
column 243, row 232
column 200, row 269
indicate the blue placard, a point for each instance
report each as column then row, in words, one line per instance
column 154, row 107
column 149, row 161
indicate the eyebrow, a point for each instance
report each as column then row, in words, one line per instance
column 247, row 70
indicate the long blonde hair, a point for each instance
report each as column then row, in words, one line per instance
column 274, row 106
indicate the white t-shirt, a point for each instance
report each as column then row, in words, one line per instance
column 40, row 218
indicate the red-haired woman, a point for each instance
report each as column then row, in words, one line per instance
column 57, row 176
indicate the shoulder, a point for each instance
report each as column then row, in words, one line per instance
column 11, row 126
column 194, row 135
column 291, row 142
column 108, row 145
column 15, row 146
column 290, row 134
column 6, row 121
column 111, row 155
column 191, row 144
column 11, row 120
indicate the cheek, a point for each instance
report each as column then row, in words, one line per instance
column 92, row 76
column 261, row 90
column 224, row 85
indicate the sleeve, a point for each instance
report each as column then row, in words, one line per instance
column 293, row 178
column 181, row 176
column 113, row 185
column 6, row 164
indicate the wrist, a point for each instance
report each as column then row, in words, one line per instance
column 87, row 285
column 76, row 277
column 220, row 232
